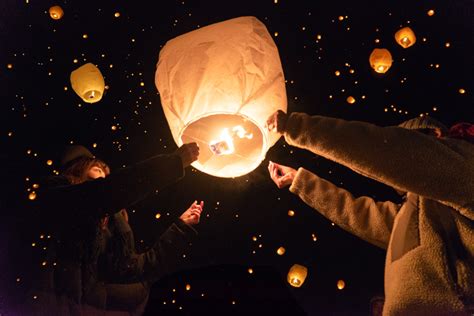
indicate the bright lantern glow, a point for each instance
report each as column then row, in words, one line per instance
column 341, row 284
column 88, row 83
column 297, row 275
column 405, row 37
column 380, row 60
column 218, row 85
column 56, row 12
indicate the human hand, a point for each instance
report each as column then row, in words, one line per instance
column 188, row 153
column 282, row 175
column 192, row 215
column 277, row 122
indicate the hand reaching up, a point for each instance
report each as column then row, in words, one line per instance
column 282, row 175
column 192, row 215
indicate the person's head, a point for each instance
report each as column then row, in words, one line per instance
column 79, row 165
column 426, row 125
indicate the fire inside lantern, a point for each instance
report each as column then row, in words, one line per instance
column 218, row 85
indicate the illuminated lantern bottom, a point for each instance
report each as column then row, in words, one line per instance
column 230, row 145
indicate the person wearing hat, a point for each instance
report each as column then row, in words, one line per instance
column 92, row 263
column 429, row 239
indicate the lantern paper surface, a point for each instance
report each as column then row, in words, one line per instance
column 297, row 275
column 405, row 37
column 380, row 60
column 88, row 83
column 56, row 12
column 218, row 85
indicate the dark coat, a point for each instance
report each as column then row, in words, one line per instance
column 99, row 266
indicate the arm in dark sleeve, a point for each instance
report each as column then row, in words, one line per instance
column 163, row 258
column 120, row 189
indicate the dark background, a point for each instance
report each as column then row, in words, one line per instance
column 39, row 117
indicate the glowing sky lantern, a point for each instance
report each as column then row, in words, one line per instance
column 88, row 83
column 405, row 37
column 218, row 85
column 380, row 60
column 297, row 275
column 56, row 12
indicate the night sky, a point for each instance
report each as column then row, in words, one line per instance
column 324, row 48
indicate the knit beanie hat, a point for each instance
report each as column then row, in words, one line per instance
column 72, row 154
column 424, row 122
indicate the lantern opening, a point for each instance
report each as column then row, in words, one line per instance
column 295, row 281
column 92, row 94
column 231, row 145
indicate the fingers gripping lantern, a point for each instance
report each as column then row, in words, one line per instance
column 218, row 85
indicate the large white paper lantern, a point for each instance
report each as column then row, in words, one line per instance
column 87, row 81
column 218, row 85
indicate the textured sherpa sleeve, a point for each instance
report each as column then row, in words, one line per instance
column 367, row 219
column 407, row 160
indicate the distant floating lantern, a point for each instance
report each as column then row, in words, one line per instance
column 462, row 91
column 431, row 12
column 281, row 251
column 188, row 287
column 341, row 284
column 49, row 162
column 350, row 100
column 297, row 275
column 88, row 83
column 380, row 60
column 405, row 37
column 291, row 213
column 56, row 12
column 32, row 196
column 337, row 72
column 218, row 85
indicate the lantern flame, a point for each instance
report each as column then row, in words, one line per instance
column 225, row 144
column 295, row 281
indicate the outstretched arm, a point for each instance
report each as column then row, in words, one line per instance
column 369, row 220
column 406, row 160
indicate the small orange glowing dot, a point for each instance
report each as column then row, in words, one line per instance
column 9, row 66
column 276, row 34
column 75, row 61
column 377, row 40
column 341, row 18
column 319, row 36
column 291, row 213
column 337, row 73
column 462, row 91
column 33, row 244
column 341, row 284
column 35, row 186
column 94, row 145
column 142, row 84
column 352, row 71
column 43, row 263
column 32, row 196
column 447, row 44
column 350, row 100
column 431, row 12
column 117, row 14
column 250, row 270
column 85, row 36
column 49, row 162
column 158, row 215
column 281, row 251
column 188, row 287
column 113, row 127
